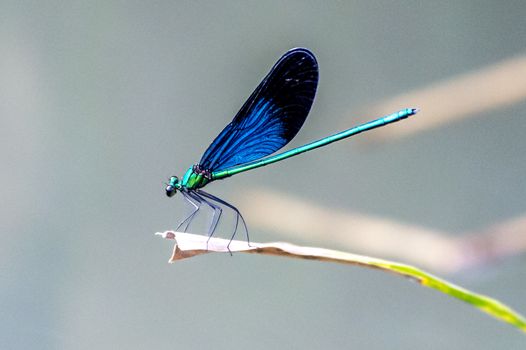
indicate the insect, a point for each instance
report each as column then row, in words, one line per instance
column 268, row 120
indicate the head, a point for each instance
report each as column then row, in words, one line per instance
column 172, row 186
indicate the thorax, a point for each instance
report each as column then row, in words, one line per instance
column 195, row 178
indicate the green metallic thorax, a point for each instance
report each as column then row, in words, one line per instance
column 193, row 181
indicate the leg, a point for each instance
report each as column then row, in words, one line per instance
column 217, row 212
column 215, row 219
column 189, row 218
column 218, row 200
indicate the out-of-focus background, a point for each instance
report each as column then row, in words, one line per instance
column 101, row 102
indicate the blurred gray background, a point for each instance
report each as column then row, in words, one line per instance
column 101, row 102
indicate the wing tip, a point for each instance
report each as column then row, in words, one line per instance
column 303, row 50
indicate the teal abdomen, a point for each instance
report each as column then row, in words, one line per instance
column 192, row 180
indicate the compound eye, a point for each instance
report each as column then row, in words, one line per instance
column 170, row 191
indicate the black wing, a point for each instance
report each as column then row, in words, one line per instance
column 271, row 116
